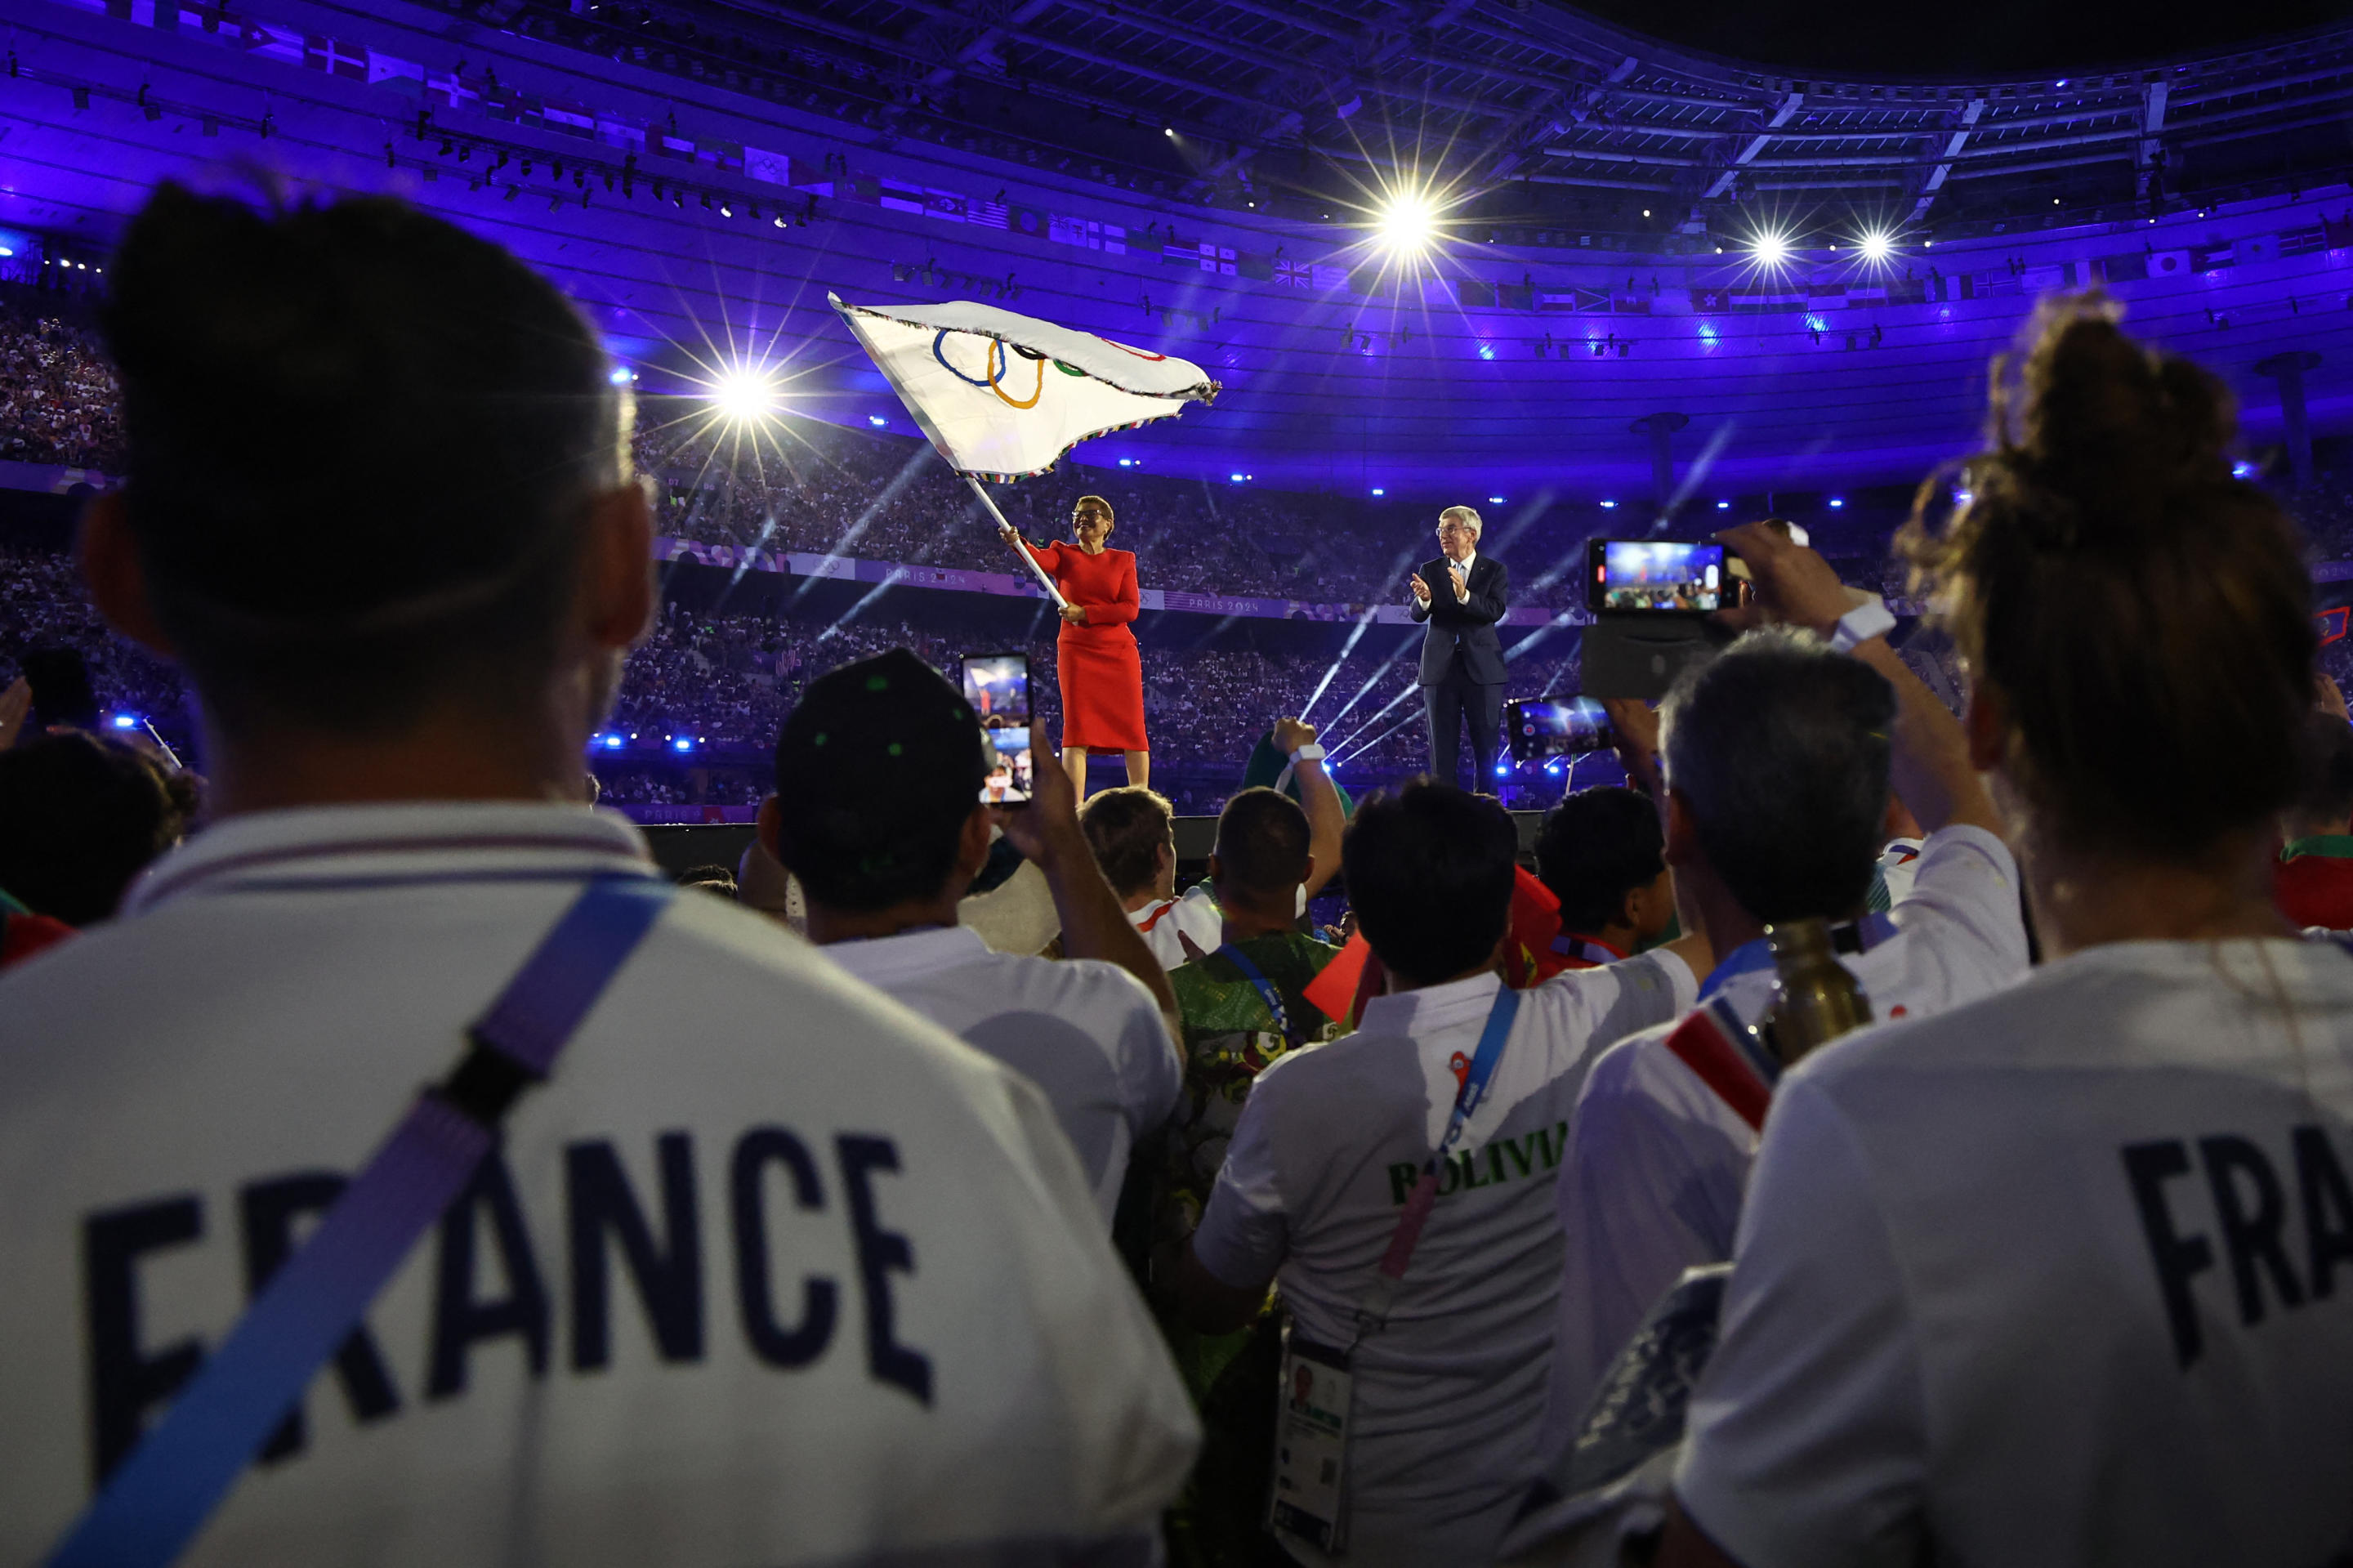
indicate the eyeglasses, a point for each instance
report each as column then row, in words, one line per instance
column 1445, row 528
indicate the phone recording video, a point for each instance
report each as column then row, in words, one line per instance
column 1655, row 576
column 1539, row 729
column 997, row 687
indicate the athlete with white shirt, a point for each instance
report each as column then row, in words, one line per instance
column 1778, row 756
column 769, row 1269
column 1132, row 831
column 2066, row 1276
column 1449, row 1388
column 877, row 812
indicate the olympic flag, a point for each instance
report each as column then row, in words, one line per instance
column 1003, row 396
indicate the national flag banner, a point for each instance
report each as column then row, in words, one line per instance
column 897, row 197
column 1255, row 266
column 985, row 214
column 1003, row 396
column 1027, row 221
column 943, row 205
column 769, row 168
column 2168, row 263
column 1296, row 274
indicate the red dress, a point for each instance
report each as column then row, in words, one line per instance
column 1101, row 671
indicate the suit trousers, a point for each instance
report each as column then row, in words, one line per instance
column 1448, row 703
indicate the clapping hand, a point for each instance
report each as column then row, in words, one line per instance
column 1420, row 588
column 1462, row 589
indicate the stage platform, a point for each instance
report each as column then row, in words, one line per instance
column 723, row 843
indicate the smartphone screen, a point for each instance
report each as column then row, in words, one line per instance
column 1655, row 576
column 1540, row 729
column 997, row 687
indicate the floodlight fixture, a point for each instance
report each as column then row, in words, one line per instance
column 1406, row 222
column 1770, row 248
column 1878, row 245
column 743, row 394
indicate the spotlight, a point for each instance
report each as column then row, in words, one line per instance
column 1168, row 130
column 1608, row 505
column 1380, row 493
column 1770, row 250
column 620, row 376
column 1836, row 501
column 1128, row 463
column 877, row 420
column 1877, row 246
column 779, row 220
column 1234, row 478
column 126, row 721
column 683, row 743
column 1495, row 500
column 1407, row 224
column 743, row 395
column 2238, row 470
column 1724, row 506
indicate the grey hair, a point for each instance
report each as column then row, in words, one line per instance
column 1780, row 748
column 1464, row 515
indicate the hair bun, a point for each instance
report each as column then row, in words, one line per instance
column 2110, row 424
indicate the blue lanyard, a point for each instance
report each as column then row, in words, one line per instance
column 1481, row 1068
column 1266, row 991
column 1859, row 936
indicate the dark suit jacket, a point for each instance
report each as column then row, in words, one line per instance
column 1469, row 626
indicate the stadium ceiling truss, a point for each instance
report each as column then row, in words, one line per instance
column 1482, row 94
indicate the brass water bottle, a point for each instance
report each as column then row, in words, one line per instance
column 1815, row 1000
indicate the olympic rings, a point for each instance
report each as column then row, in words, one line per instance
column 996, row 363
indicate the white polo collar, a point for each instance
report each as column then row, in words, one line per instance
column 394, row 844
column 885, row 960
column 1432, row 1007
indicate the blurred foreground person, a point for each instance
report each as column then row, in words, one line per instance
column 2066, row 1276
column 81, row 815
column 768, row 1270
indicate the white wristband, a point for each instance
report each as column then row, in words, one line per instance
column 1311, row 752
column 1861, row 624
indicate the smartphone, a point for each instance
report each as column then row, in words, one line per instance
column 62, row 688
column 997, row 687
column 1009, row 779
column 1544, row 728
column 1654, row 577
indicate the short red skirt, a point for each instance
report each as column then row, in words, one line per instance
column 1102, row 689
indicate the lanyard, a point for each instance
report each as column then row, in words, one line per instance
column 161, row 1494
column 1266, row 989
column 1588, row 949
column 1855, row 936
column 1373, row 1310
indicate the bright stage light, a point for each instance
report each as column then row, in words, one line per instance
column 1406, row 222
column 743, row 395
column 1772, row 250
column 1878, row 247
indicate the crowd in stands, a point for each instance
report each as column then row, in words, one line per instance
column 1747, row 1181
column 57, row 398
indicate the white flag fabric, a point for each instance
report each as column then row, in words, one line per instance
column 1003, row 396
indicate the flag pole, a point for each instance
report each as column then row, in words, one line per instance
column 1031, row 561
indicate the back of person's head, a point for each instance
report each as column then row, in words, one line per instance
column 1429, row 873
column 361, row 446
column 79, row 817
column 1779, row 747
column 1127, row 827
column 2142, row 618
column 711, row 879
column 1594, row 848
column 2324, row 795
column 878, row 770
column 1262, row 838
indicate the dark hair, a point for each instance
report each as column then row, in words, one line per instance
column 79, row 817
column 1596, row 847
column 2144, row 617
column 715, row 879
column 2324, row 793
column 878, row 769
column 1779, row 748
column 361, row 442
column 1124, row 827
column 1429, row 873
column 1262, row 839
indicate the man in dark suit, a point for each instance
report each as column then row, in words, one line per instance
column 1461, row 595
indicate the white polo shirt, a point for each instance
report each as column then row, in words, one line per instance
column 1194, row 914
column 2062, row 1276
column 772, row 1270
column 1088, row 1033
column 1330, row 1141
column 1657, row 1162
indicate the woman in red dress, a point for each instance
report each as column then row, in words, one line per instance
column 1101, row 672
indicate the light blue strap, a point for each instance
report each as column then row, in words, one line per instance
column 156, row 1501
column 1266, row 988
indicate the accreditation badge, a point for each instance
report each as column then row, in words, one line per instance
column 1311, row 1444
